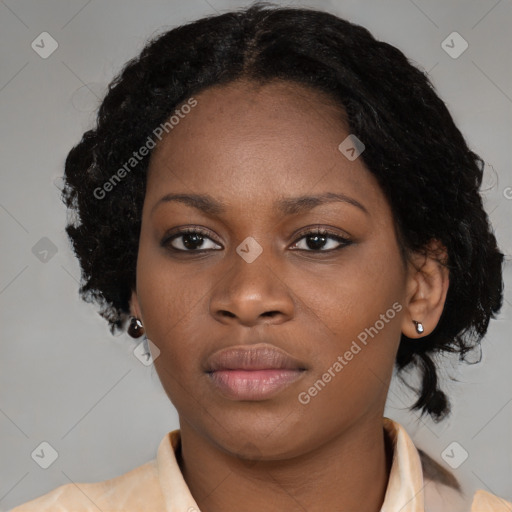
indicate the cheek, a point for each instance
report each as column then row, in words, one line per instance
column 351, row 294
column 353, row 364
column 171, row 299
column 359, row 311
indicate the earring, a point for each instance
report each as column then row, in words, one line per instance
column 135, row 329
column 419, row 327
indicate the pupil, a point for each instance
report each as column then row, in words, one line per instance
column 198, row 239
column 317, row 239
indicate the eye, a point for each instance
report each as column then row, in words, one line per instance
column 189, row 240
column 316, row 239
column 196, row 240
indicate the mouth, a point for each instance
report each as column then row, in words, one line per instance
column 252, row 373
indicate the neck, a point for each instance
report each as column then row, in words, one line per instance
column 348, row 472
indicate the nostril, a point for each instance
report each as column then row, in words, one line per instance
column 227, row 313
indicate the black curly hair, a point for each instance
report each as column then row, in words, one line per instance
column 419, row 157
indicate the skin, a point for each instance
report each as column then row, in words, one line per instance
column 249, row 146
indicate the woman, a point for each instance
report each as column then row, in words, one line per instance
column 284, row 208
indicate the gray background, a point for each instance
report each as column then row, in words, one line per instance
column 63, row 378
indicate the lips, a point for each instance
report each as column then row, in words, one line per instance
column 255, row 372
column 253, row 357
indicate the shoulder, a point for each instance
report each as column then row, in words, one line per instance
column 443, row 492
column 134, row 490
column 440, row 498
column 484, row 501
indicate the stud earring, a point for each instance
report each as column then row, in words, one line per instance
column 419, row 327
column 135, row 329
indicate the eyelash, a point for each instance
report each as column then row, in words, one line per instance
column 344, row 242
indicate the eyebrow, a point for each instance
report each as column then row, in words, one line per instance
column 286, row 206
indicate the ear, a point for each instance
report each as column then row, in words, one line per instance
column 427, row 287
column 135, row 306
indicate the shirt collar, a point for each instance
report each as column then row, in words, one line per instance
column 177, row 496
column 405, row 486
column 404, row 492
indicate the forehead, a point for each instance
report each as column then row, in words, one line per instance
column 247, row 142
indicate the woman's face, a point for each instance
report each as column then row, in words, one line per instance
column 335, row 309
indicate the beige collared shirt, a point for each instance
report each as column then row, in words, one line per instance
column 158, row 486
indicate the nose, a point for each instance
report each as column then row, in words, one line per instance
column 252, row 293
